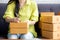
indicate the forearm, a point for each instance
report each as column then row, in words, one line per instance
column 8, row 19
column 32, row 22
column 15, row 19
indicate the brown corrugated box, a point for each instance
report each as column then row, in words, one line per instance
column 18, row 31
column 47, row 13
column 50, row 19
column 51, row 35
column 58, row 13
column 40, row 25
column 21, row 27
column 50, row 27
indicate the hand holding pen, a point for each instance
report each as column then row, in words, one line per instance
column 16, row 19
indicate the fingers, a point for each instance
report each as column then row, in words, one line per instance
column 16, row 19
column 27, row 21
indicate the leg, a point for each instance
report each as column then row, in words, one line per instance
column 12, row 36
column 29, row 35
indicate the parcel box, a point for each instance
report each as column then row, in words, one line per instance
column 58, row 13
column 51, row 35
column 50, row 19
column 21, row 27
column 18, row 31
column 47, row 13
column 50, row 27
column 40, row 25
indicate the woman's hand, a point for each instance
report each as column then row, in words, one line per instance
column 12, row 19
column 16, row 19
column 30, row 22
column 27, row 21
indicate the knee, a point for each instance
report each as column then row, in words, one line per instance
column 27, row 36
column 11, row 36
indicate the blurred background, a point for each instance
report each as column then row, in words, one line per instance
column 39, row 1
column 43, row 6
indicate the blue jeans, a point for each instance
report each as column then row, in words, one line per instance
column 29, row 35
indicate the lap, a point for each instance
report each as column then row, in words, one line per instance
column 29, row 35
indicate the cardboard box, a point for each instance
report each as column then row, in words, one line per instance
column 58, row 13
column 51, row 35
column 21, row 27
column 50, row 27
column 40, row 25
column 18, row 31
column 47, row 13
column 18, row 25
column 50, row 19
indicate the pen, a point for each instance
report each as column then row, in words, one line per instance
column 17, row 16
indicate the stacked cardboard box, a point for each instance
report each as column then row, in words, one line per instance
column 19, row 28
column 45, row 14
column 51, row 30
column 58, row 13
column 50, row 19
column 51, row 35
column 50, row 26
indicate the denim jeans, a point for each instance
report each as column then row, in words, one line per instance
column 29, row 35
